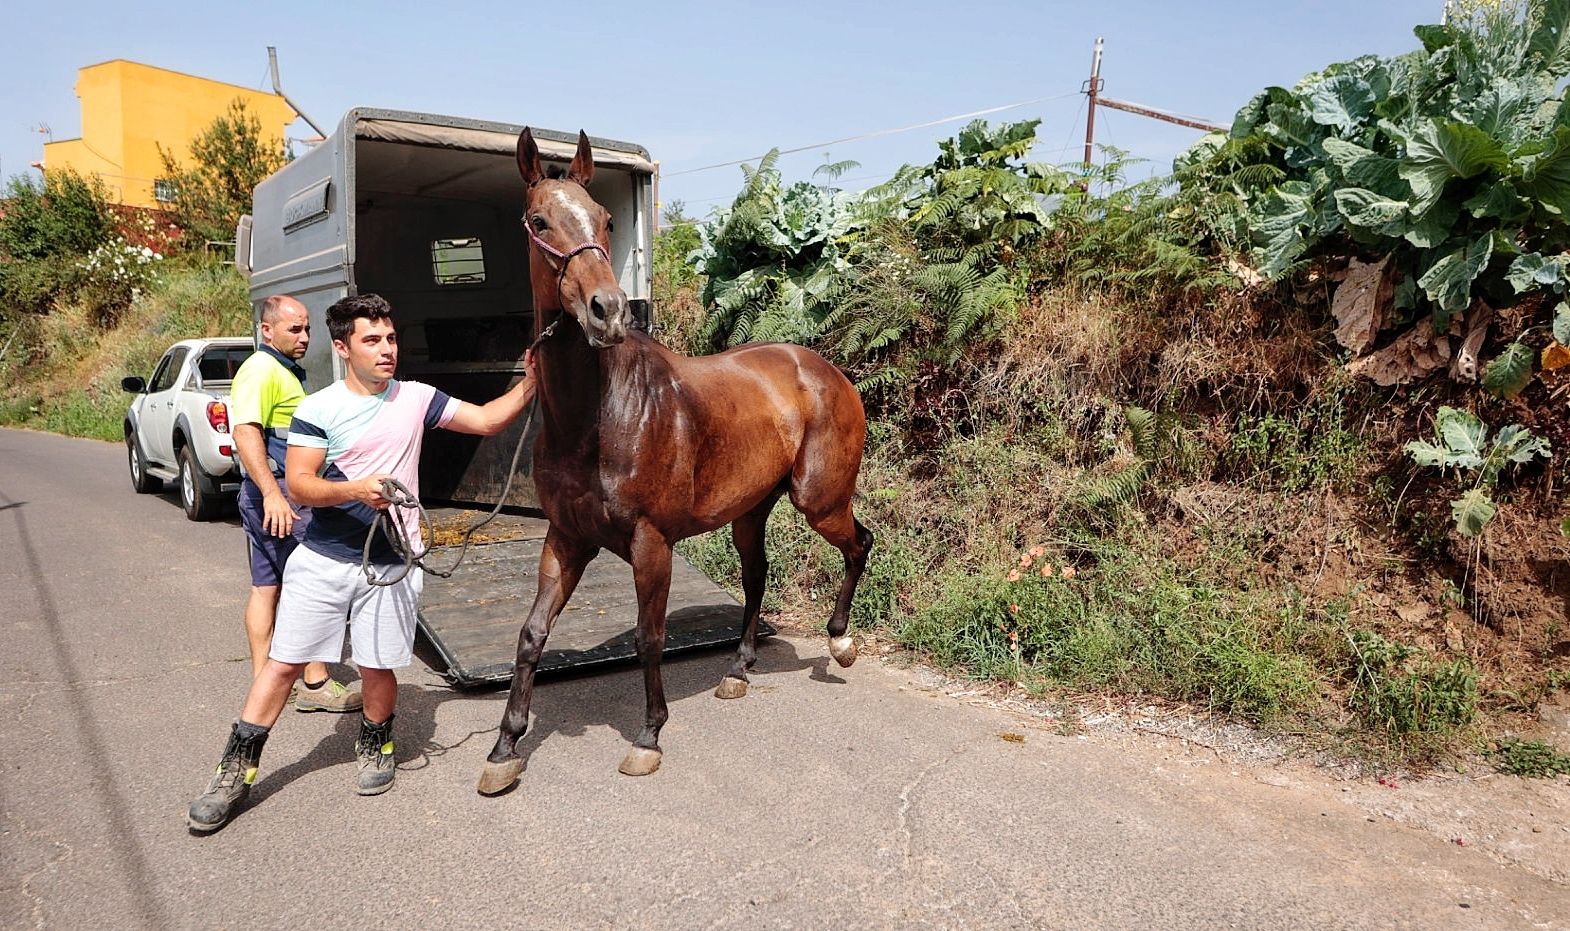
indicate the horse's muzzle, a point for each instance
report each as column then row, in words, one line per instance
column 606, row 317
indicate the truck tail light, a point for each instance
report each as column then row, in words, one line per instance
column 218, row 416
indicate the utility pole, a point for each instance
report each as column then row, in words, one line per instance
column 1093, row 89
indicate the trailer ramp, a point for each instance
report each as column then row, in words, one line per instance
column 473, row 618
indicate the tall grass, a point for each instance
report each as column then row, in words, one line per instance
column 63, row 372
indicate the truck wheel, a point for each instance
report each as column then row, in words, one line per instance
column 197, row 503
column 143, row 483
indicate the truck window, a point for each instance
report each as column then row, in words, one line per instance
column 219, row 363
column 163, row 379
column 458, row 261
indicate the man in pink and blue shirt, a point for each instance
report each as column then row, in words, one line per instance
column 345, row 440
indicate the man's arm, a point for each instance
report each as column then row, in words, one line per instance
column 489, row 419
column 277, row 516
column 302, row 467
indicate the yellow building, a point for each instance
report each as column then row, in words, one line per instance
column 130, row 109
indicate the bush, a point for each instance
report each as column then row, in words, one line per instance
column 1126, row 623
column 227, row 160
column 1399, row 690
column 64, row 214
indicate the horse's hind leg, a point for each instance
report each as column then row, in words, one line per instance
column 561, row 566
column 840, row 527
column 747, row 533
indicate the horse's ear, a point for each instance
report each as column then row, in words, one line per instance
column 582, row 170
column 529, row 158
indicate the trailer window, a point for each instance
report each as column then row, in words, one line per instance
column 458, row 261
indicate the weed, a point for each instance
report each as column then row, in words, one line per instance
column 1396, row 690
column 1530, row 758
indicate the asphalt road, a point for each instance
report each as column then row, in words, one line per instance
column 826, row 798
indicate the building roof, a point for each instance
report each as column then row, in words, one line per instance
column 183, row 74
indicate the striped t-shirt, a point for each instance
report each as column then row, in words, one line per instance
column 366, row 435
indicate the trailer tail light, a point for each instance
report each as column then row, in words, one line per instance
column 218, row 416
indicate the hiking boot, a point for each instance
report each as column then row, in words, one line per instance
column 374, row 751
column 231, row 783
column 331, row 695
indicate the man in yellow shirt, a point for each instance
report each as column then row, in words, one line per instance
column 262, row 398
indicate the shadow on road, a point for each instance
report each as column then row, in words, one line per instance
column 565, row 706
column 119, row 839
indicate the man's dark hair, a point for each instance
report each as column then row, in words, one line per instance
column 341, row 316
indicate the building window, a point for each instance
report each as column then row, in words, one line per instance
column 458, row 261
column 163, row 191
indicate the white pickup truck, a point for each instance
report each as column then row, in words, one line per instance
column 177, row 428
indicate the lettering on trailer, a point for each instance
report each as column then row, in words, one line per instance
column 308, row 206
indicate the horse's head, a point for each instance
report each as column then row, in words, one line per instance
column 569, row 239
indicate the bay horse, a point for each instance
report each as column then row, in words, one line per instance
column 640, row 447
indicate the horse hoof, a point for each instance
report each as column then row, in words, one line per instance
column 731, row 687
column 498, row 777
column 843, row 649
column 640, row 761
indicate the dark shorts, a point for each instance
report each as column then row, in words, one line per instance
column 267, row 552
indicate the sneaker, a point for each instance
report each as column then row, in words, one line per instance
column 374, row 751
column 230, row 785
column 331, row 695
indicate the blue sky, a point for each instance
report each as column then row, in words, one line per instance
column 698, row 83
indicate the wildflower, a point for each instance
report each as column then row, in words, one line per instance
column 1024, row 561
column 1013, row 609
column 1014, row 636
column 1013, row 575
column 1068, row 572
column 1046, row 570
column 1037, row 551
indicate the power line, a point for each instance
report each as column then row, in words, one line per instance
column 875, row 134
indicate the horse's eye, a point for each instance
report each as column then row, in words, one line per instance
column 610, row 226
column 538, row 222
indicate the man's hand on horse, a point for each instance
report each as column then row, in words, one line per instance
column 277, row 516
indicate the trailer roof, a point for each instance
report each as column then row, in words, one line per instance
column 450, row 132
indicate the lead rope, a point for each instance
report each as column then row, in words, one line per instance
column 400, row 496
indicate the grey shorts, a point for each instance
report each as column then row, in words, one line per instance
column 320, row 594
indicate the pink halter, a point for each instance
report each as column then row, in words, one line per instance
column 565, row 257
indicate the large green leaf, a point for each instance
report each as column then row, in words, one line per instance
column 1370, row 212
column 1549, row 44
column 1344, row 102
column 1499, row 201
column 1449, row 282
column 1531, row 271
column 1426, row 454
column 1509, row 372
column 1366, row 169
column 1438, row 153
column 1562, row 324
column 1431, row 229
column 1472, row 511
column 1515, row 443
column 1464, row 436
column 1277, row 226
column 1546, row 174
column 1507, row 109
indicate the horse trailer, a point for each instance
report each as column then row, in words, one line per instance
column 425, row 210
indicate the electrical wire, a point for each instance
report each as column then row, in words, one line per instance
column 875, row 134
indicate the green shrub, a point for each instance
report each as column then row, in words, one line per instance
column 1126, row 624
column 1398, row 691
column 1530, row 758
column 62, row 214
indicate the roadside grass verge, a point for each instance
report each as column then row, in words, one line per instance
column 63, row 373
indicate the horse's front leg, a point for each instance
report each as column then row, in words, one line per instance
column 651, row 571
column 561, row 566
